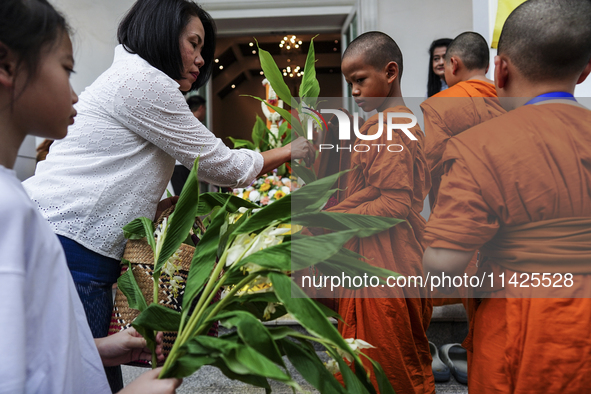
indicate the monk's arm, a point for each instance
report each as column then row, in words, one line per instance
column 437, row 261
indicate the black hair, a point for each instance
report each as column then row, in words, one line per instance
column 195, row 102
column 471, row 48
column 27, row 27
column 378, row 49
column 152, row 30
column 548, row 40
column 434, row 81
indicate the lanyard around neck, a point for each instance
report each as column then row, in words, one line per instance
column 551, row 96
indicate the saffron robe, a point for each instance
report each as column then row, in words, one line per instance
column 391, row 184
column 446, row 114
column 531, row 164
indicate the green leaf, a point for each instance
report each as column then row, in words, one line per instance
column 135, row 229
column 311, row 368
column 168, row 193
column 313, row 195
column 238, row 143
column 279, row 211
column 285, row 114
column 258, row 132
column 383, row 382
column 238, row 358
column 305, row 310
column 309, row 88
column 203, row 260
column 208, row 201
column 274, row 76
column 159, row 318
column 253, row 333
column 352, row 382
column 181, row 221
column 149, row 231
column 337, row 221
column 128, row 285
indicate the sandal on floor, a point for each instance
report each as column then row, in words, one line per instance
column 441, row 371
column 456, row 358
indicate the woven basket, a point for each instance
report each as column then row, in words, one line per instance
column 141, row 258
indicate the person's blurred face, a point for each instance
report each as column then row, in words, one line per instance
column 45, row 107
column 439, row 61
column 191, row 43
column 200, row 113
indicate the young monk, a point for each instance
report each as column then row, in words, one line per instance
column 519, row 181
column 391, row 184
column 462, row 105
column 469, row 100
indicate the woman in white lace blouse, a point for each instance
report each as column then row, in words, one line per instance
column 132, row 123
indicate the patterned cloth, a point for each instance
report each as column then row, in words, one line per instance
column 117, row 159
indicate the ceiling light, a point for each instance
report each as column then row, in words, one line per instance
column 221, row 67
column 233, row 86
column 217, row 60
column 250, row 44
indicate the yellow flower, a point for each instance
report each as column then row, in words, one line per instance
column 278, row 195
column 265, row 187
column 245, row 195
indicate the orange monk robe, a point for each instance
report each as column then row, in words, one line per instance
column 447, row 114
column 529, row 165
column 450, row 112
column 391, row 184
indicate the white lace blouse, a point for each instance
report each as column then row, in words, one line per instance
column 115, row 163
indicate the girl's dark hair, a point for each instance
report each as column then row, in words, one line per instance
column 152, row 30
column 434, row 82
column 26, row 27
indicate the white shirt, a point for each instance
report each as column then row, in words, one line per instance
column 46, row 344
column 115, row 163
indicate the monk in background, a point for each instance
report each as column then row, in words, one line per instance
column 470, row 100
column 390, row 184
column 462, row 105
column 518, row 188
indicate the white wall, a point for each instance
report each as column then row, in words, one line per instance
column 414, row 25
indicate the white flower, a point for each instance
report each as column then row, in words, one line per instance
column 269, row 310
column 285, row 189
column 175, row 284
column 272, row 193
column 244, row 245
column 256, row 210
column 239, row 246
column 242, row 209
column 332, row 366
column 356, row 345
column 249, row 188
column 254, row 196
column 286, row 181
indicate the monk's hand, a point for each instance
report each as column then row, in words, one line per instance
column 301, row 148
column 126, row 346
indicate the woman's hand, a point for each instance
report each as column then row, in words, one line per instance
column 148, row 383
column 301, row 148
column 126, row 346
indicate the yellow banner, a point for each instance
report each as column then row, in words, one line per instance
column 505, row 7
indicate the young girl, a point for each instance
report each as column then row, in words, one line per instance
column 46, row 343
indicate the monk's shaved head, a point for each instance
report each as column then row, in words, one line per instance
column 548, row 39
column 377, row 49
column 471, row 48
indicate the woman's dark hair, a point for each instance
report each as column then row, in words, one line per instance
column 26, row 27
column 152, row 30
column 434, row 82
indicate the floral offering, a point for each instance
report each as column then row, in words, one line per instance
column 267, row 189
